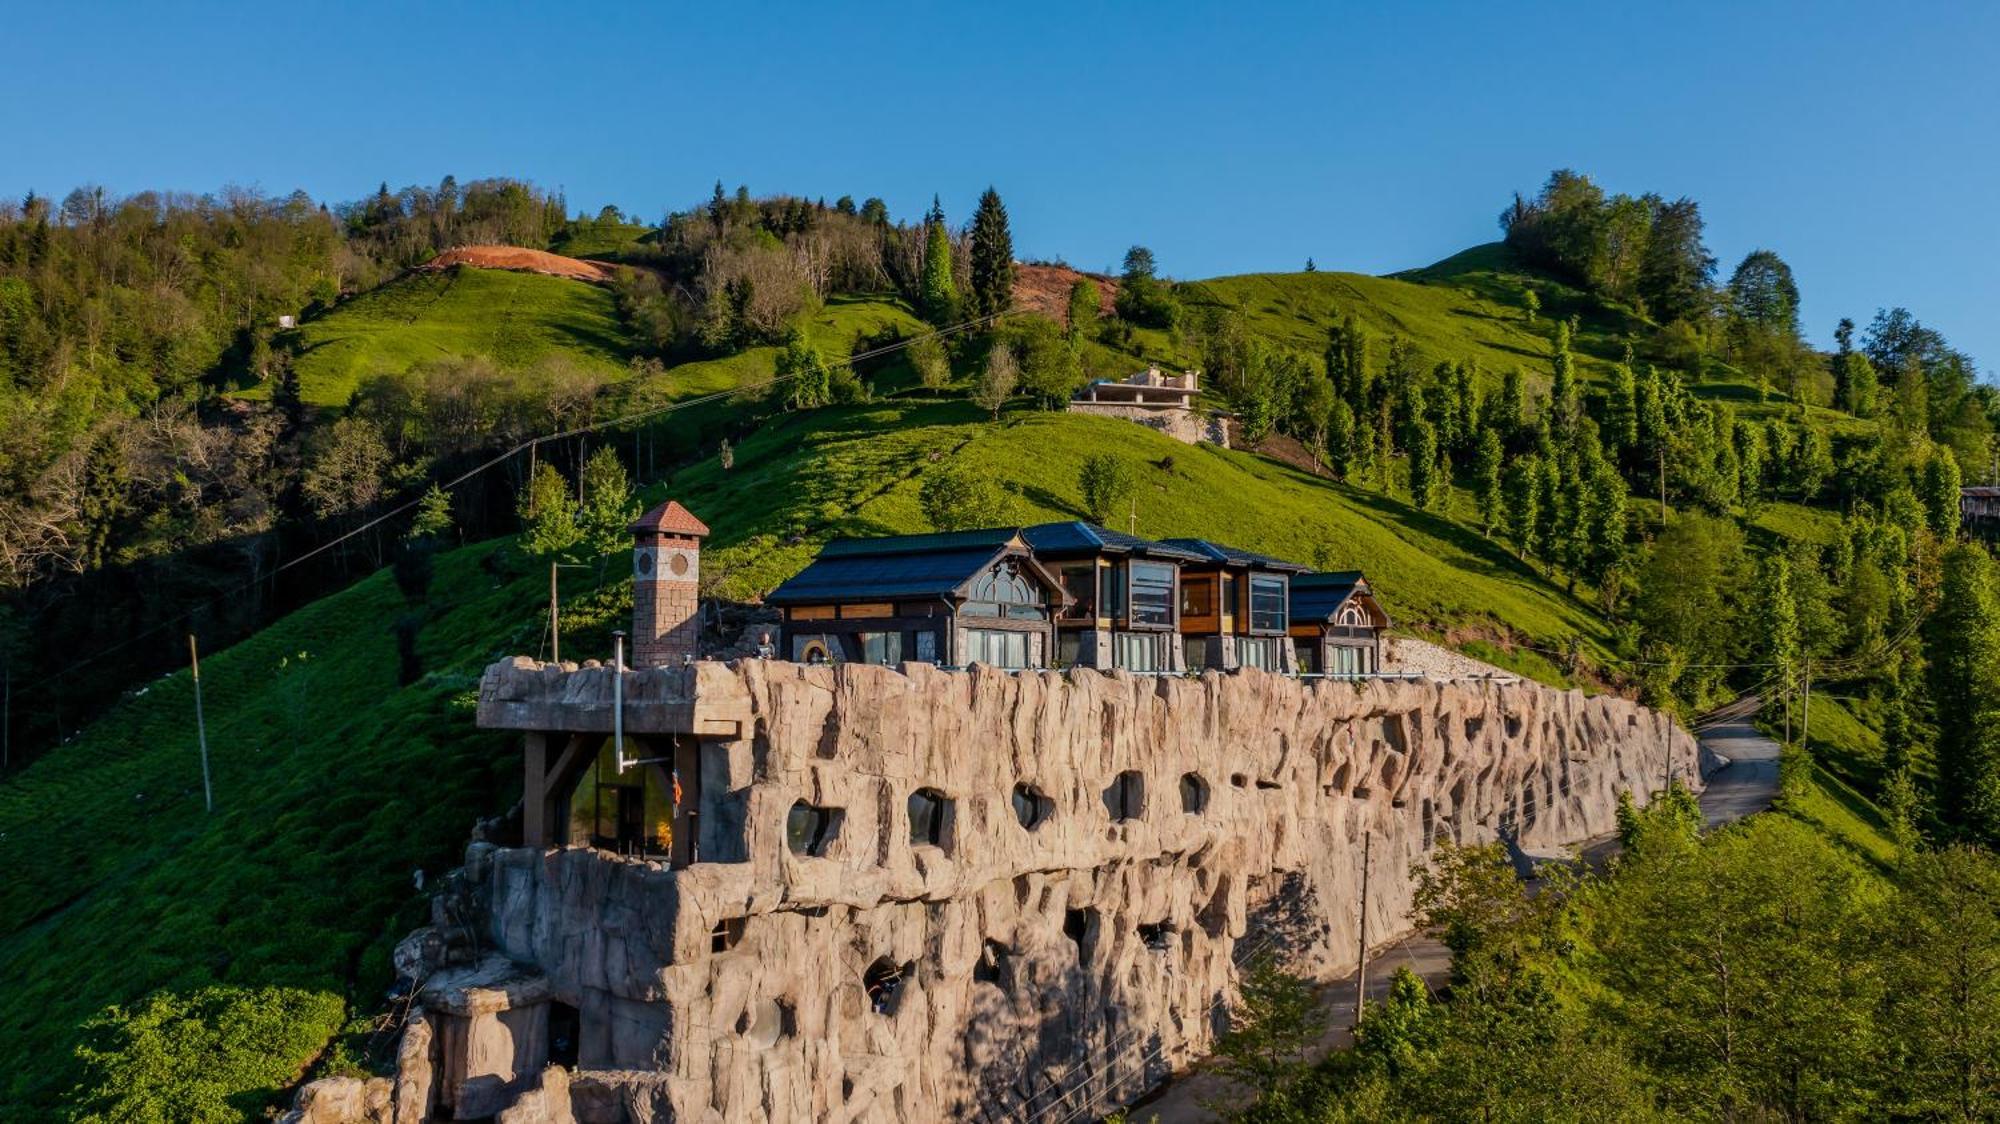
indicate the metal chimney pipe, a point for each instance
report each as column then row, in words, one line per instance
column 618, row 699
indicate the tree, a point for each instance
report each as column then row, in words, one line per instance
column 1565, row 398
column 1943, row 993
column 1425, row 487
column 1143, row 298
column 955, row 498
column 346, row 469
column 1086, row 301
column 1941, row 493
column 927, row 356
column 1486, row 480
column 1763, row 293
column 1777, row 630
column 1621, row 410
column 1520, row 487
column 1962, row 642
column 433, row 518
column 938, row 290
column 992, row 257
column 1270, row 1028
column 996, row 383
column 609, row 507
column 1674, row 276
column 548, row 515
column 1106, row 482
column 1531, row 304
column 800, row 365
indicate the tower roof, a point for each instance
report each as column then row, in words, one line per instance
column 672, row 519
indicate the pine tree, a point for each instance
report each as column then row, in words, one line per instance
column 1564, row 405
column 1486, row 477
column 1506, row 409
column 609, row 506
column 433, row 518
column 939, row 291
column 1621, row 411
column 1962, row 642
column 1777, row 628
column 1521, row 488
column 992, row 257
column 548, row 515
column 1941, row 493
column 1423, row 447
column 1465, row 405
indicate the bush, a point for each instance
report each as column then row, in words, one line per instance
column 1106, row 481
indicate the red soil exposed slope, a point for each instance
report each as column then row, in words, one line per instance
column 516, row 257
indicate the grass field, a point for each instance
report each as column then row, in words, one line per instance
column 514, row 319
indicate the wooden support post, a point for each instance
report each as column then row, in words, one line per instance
column 200, row 724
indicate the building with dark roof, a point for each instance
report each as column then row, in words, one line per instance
column 1124, row 596
column 1235, row 607
column 954, row 598
column 1336, row 624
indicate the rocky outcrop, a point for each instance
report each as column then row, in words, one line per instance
column 963, row 894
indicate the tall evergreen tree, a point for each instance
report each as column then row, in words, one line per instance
column 1621, row 410
column 1777, row 629
column 1486, row 480
column 1962, row 641
column 1425, row 487
column 1941, row 493
column 1521, row 487
column 939, row 289
column 1564, row 395
column 992, row 257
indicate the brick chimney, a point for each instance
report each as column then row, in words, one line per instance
column 666, row 598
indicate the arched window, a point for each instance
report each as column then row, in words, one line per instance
column 1194, row 794
column 1005, row 591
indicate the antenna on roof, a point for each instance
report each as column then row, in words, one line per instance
column 1132, row 520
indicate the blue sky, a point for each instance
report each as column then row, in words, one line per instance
column 1862, row 145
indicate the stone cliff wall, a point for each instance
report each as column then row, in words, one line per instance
column 1003, row 969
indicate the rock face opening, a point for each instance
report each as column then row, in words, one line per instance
column 565, row 1033
column 1032, row 806
column 1078, row 926
column 1126, row 798
column 930, row 819
column 765, row 1022
column 811, row 830
column 991, row 967
column 1194, row 794
column 1157, row 936
column 883, row 984
column 728, row 933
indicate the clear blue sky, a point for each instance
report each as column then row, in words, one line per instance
column 1860, row 144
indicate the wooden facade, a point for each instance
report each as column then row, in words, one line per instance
column 955, row 599
column 1124, row 592
column 1235, row 607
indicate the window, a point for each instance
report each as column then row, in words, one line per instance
column 1126, row 798
column 1194, row 793
column 1135, row 651
column 727, row 934
column 1152, row 594
column 810, row 830
column 927, row 646
column 1195, row 650
column 930, row 818
column 996, row 648
column 630, row 813
column 1303, row 652
column 1079, row 580
column 1267, row 603
column 1111, row 592
column 1198, row 596
column 1229, row 604
column 991, row 967
column 1077, row 926
column 1004, row 584
column 884, row 648
column 1258, row 651
column 1031, row 806
column 1157, row 937
column 1069, row 646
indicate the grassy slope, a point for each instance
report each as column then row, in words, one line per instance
column 515, row 319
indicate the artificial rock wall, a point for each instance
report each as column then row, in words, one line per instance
column 1007, row 970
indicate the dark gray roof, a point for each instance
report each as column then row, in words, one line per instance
column 857, row 577
column 1216, row 552
column 1317, row 597
column 991, row 538
column 1076, row 538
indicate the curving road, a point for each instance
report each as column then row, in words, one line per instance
column 1745, row 783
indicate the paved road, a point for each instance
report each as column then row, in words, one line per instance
column 1747, row 783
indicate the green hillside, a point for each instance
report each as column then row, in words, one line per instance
column 514, row 319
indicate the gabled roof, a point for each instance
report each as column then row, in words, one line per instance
column 1076, row 538
column 672, row 519
column 1231, row 556
column 1319, row 597
column 904, row 566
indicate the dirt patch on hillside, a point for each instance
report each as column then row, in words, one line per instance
column 1045, row 289
column 519, row 258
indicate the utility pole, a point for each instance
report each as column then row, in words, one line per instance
column 1805, row 706
column 200, row 724
column 1361, row 962
column 555, row 621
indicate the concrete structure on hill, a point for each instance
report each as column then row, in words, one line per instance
column 1156, row 400
column 779, row 891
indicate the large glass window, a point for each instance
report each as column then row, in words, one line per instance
column 996, row 648
column 631, row 813
column 1080, row 582
column 1260, row 652
column 1111, row 591
column 884, row 648
column 1152, row 594
column 1267, row 603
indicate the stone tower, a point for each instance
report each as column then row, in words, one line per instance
column 666, row 598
